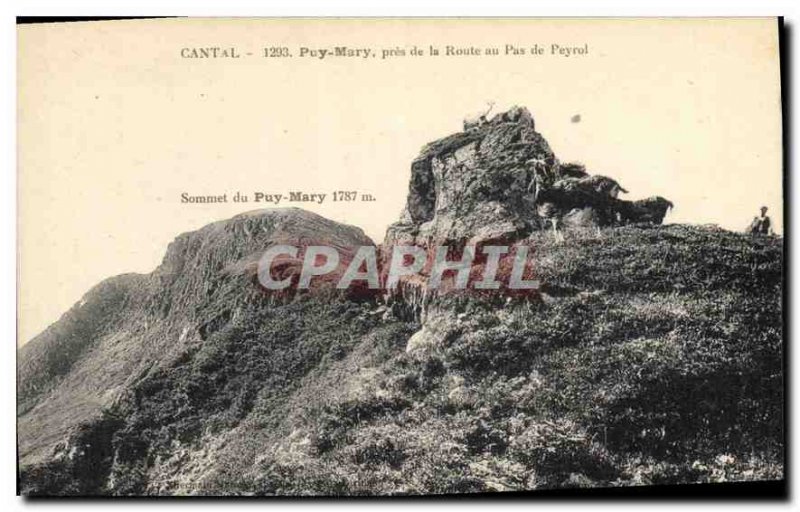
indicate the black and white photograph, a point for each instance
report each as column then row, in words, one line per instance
column 400, row 257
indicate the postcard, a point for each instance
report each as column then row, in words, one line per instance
column 400, row 257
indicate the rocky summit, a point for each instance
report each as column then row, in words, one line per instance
column 498, row 180
column 496, row 183
column 652, row 353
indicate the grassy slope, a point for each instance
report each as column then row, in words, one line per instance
column 656, row 358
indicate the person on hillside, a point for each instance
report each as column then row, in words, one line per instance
column 762, row 225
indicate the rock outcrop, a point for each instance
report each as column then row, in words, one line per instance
column 492, row 182
column 475, row 185
column 495, row 183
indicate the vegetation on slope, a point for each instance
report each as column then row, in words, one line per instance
column 655, row 357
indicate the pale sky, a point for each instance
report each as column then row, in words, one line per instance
column 114, row 125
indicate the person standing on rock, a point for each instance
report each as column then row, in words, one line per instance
column 762, row 225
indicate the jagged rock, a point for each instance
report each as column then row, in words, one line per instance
column 475, row 185
column 493, row 184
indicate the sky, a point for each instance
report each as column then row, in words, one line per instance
column 114, row 124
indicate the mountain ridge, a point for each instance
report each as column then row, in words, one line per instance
column 146, row 299
column 653, row 353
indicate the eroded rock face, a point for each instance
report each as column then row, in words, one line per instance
column 493, row 184
column 497, row 181
column 476, row 185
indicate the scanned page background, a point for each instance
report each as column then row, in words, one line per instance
column 114, row 124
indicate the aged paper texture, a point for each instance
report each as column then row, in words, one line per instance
column 637, row 161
